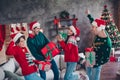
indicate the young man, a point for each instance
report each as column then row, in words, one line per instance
column 102, row 47
column 35, row 42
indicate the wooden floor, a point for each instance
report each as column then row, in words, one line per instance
column 109, row 71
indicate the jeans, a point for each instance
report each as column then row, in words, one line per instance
column 33, row 76
column 54, row 69
column 69, row 71
column 94, row 73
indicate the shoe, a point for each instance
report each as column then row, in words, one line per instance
column 118, row 72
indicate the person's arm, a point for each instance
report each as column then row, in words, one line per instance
column 65, row 47
column 46, row 39
column 33, row 50
column 91, row 19
column 10, row 49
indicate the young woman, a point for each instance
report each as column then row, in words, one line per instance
column 70, row 48
column 19, row 51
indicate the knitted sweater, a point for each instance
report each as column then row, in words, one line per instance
column 102, row 47
column 23, row 58
column 35, row 44
column 70, row 49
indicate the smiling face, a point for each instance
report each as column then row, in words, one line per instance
column 70, row 32
column 36, row 30
column 94, row 30
column 21, row 42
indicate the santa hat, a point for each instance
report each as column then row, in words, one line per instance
column 76, row 32
column 100, row 24
column 34, row 24
column 16, row 36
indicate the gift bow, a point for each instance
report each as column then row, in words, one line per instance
column 44, row 65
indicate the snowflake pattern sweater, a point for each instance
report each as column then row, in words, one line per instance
column 70, row 49
column 102, row 47
column 22, row 56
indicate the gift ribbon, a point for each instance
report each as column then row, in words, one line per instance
column 91, row 57
column 49, row 53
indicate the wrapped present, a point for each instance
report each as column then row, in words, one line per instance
column 50, row 50
column 63, row 35
column 90, row 57
column 44, row 65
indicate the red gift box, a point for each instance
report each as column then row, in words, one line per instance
column 45, row 66
column 50, row 50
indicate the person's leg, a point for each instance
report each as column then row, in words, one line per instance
column 89, row 72
column 55, row 70
column 69, row 71
column 42, row 74
column 33, row 76
column 96, row 73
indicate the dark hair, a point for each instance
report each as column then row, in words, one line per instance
column 19, row 39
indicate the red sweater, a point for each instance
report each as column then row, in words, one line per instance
column 70, row 49
column 23, row 58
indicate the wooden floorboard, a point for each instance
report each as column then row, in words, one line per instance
column 109, row 70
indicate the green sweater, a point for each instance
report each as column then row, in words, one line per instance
column 102, row 47
column 35, row 45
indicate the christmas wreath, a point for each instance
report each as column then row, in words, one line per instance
column 64, row 15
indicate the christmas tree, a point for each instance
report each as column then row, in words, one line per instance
column 111, row 28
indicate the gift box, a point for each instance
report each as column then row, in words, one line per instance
column 44, row 65
column 63, row 35
column 50, row 50
column 90, row 57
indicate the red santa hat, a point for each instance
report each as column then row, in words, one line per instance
column 34, row 24
column 100, row 24
column 16, row 36
column 76, row 32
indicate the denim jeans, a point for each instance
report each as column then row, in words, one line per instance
column 33, row 76
column 54, row 69
column 69, row 71
column 94, row 73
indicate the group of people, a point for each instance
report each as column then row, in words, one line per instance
column 37, row 40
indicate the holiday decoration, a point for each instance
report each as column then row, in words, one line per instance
column 111, row 28
column 90, row 57
column 23, row 26
column 12, row 27
column 2, row 35
column 64, row 15
column 50, row 50
column 56, row 23
column 18, row 25
column 74, row 20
